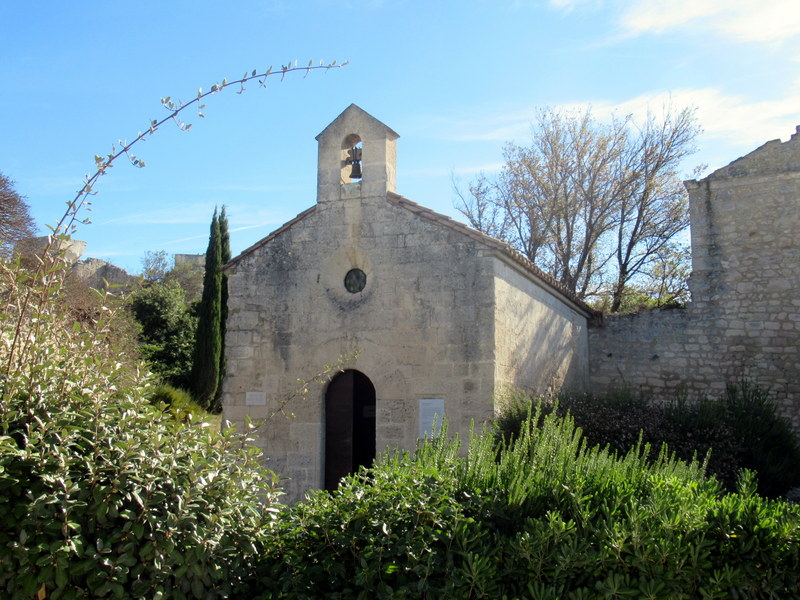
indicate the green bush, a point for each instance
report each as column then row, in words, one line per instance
column 742, row 430
column 178, row 402
column 546, row 517
column 102, row 494
column 167, row 330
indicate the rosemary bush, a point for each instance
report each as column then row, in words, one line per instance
column 546, row 517
column 740, row 430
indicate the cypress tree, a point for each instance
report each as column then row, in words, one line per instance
column 225, row 253
column 208, row 344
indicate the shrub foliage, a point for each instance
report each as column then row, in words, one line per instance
column 167, row 330
column 742, row 430
column 103, row 494
column 546, row 517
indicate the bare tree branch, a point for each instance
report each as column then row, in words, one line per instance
column 591, row 204
column 15, row 220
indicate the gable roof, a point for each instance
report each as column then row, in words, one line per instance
column 504, row 249
column 356, row 113
column 264, row 241
column 517, row 257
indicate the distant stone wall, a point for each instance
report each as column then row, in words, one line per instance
column 195, row 261
column 101, row 275
column 744, row 319
column 71, row 250
column 92, row 272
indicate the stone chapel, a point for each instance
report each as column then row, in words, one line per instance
column 430, row 317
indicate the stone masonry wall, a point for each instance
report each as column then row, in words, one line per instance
column 540, row 340
column 744, row 319
column 422, row 327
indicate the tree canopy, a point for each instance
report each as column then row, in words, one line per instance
column 596, row 205
column 208, row 341
column 225, row 256
column 16, row 222
column 167, row 330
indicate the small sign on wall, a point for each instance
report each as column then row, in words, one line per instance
column 255, row 399
column 430, row 410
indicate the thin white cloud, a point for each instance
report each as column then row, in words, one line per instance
column 240, row 187
column 771, row 21
column 727, row 118
column 65, row 186
column 729, row 122
column 185, row 239
column 177, row 215
column 743, row 20
column 271, row 223
column 766, row 21
column 444, row 172
column 569, row 5
column 647, row 16
column 493, row 125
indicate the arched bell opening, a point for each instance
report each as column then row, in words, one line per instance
column 351, row 159
column 349, row 426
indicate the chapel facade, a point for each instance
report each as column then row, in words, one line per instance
column 424, row 317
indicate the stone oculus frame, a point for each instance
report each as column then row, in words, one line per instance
column 423, row 307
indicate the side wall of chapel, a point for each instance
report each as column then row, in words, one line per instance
column 541, row 342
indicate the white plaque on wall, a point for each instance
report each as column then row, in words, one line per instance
column 430, row 409
column 255, row 399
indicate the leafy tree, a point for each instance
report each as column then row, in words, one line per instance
column 156, row 268
column 167, row 330
column 15, row 219
column 103, row 494
column 190, row 278
column 155, row 265
column 665, row 278
column 208, row 343
column 653, row 207
column 591, row 204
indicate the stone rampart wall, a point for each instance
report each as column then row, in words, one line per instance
column 744, row 320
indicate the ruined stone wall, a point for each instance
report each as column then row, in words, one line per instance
column 101, row 275
column 744, row 319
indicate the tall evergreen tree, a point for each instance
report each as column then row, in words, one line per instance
column 225, row 250
column 208, row 345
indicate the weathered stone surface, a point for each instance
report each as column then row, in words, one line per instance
column 93, row 272
column 70, row 250
column 446, row 312
column 101, row 275
column 744, row 318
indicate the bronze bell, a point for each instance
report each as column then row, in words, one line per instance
column 354, row 159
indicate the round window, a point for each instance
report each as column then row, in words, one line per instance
column 355, row 280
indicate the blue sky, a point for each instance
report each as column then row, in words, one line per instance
column 456, row 80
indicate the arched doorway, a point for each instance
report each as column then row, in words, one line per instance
column 349, row 426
